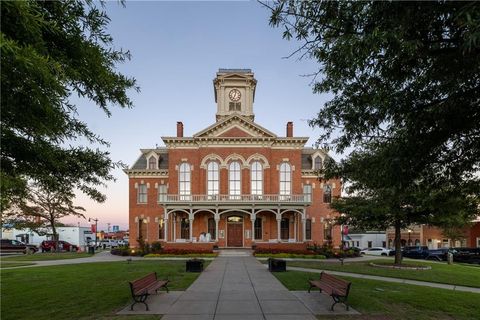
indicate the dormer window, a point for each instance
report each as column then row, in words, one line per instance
column 317, row 164
column 152, row 163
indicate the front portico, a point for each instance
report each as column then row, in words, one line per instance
column 239, row 221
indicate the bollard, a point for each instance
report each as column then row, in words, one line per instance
column 449, row 258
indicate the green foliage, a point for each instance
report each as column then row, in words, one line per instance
column 405, row 78
column 50, row 51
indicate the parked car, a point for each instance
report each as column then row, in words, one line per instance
column 416, row 252
column 466, row 255
column 108, row 243
column 50, row 245
column 376, row 251
column 12, row 246
column 440, row 254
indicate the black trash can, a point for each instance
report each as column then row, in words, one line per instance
column 91, row 250
column 194, row 265
column 277, row 265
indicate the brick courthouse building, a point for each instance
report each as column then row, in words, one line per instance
column 233, row 184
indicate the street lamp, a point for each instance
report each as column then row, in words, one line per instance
column 96, row 229
column 409, row 241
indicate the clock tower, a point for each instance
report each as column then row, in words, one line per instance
column 234, row 93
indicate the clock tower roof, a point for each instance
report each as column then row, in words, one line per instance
column 234, row 93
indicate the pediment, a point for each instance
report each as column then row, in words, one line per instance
column 235, row 126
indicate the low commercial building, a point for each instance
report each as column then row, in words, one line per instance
column 75, row 235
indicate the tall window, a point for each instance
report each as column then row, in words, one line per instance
column 327, row 231
column 285, row 180
column 142, row 193
column 258, row 229
column 307, row 192
column 317, row 165
column 142, row 228
column 211, row 228
column 152, row 163
column 308, row 229
column 256, row 176
column 212, row 179
column 161, row 229
column 327, row 193
column 184, row 181
column 162, row 193
column 234, row 179
column 185, row 229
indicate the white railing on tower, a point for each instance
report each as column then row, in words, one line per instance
column 234, row 198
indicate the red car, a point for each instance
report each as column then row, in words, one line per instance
column 50, row 245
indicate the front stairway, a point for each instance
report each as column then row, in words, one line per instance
column 234, row 252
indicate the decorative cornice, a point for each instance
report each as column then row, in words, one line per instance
column 140, row 173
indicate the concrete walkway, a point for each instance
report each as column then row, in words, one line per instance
column 388, row 279
column 238, row 287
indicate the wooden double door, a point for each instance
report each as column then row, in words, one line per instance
column 234, row 231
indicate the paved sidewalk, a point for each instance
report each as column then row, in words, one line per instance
column 104, row 256
column 237, row 287
column 388, row 279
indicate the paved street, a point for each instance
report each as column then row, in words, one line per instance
column 238, row 287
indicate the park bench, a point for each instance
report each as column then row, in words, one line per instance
column 145, row 286
column 335, row 287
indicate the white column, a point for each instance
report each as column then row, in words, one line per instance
column 190, row 228
column 253, row 216
column 278, row 229
column 165, row 226
column 304, row 229
column 216, row 229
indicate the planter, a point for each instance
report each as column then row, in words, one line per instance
column 277, row 265
column 194, row 265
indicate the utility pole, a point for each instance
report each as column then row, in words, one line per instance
column 96, row 228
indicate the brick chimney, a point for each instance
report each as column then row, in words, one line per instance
column 179, row 129
column 289, row 129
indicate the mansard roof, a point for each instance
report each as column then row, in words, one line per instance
column 141, row 163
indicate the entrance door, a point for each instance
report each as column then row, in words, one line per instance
column 235, row 231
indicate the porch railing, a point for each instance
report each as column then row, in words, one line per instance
column 251, row 198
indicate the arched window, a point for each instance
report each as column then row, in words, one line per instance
column 234, row 180
column 152, row 163
column 327, row 193
column 184, row 186
column 256, row 178
column 285, row 179
column 317, row 165
column 212, row 179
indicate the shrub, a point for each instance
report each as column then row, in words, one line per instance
column 282, row 251
column 156, row 247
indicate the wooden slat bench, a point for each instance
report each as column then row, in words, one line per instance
column 335, row 287
column 145, row 286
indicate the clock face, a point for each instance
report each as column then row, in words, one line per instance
column 234, row 95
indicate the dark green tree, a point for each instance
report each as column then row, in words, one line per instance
column 51, row 51
column 405, row 80
column 43, row 209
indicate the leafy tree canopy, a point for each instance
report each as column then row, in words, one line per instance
column 402, row 73
column 405, row 80
column 51, row 50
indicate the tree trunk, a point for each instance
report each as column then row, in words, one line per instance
column 55, row 236
column 398, row 244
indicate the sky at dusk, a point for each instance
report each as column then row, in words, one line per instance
column 177, row 48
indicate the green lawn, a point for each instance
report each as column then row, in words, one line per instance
column 396, row 301
column 48, row 256
column 9, row 264
column 80, row 291
column 441, row 272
